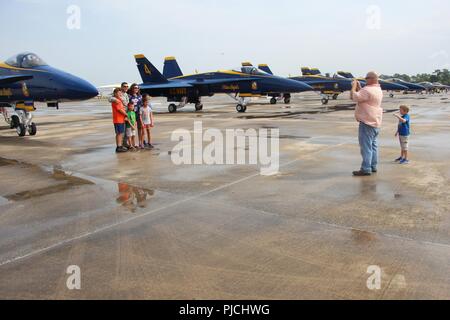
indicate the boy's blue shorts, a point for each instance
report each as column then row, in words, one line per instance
column 119, row 128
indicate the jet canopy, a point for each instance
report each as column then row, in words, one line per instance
column 25, row 60
column 253, row 71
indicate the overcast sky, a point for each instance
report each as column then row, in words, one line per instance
column 387, row 36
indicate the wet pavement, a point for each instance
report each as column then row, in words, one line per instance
column 140, row 227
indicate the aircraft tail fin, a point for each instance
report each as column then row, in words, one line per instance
column 171, row 68
column 148, row 71
column 265, row 68
column 310, row 71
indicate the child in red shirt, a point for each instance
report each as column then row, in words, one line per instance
column 119, row 118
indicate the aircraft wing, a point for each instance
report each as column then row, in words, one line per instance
column 12, row 79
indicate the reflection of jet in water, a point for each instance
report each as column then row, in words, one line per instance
column 190, row 88
column 25, row 79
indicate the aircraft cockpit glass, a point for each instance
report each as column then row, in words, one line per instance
column 253, row 71
column 25, row 60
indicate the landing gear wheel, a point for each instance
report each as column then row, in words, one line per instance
column 240, row 108
column 21, row 130
column 335, row 96
column 198, row 107
column 287, row 100
column 172, row 108
column 15, row 122
column 324, row 101
column 391, row 95
column 273, row 101
column 32, row 130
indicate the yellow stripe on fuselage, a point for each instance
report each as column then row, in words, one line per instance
column 8, row 67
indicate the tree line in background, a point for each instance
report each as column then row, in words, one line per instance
column 441, row 76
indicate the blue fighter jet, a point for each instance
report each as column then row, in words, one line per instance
column 26, row 79
column 412, row 87
column 184, row 89
column 385, row 85
column 327, row 86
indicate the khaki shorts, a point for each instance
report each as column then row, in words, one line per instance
column 404, row 143
column 131, row 132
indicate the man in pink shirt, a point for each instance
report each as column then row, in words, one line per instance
column 369, row 114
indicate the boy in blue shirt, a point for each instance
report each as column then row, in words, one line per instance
column 403, row 133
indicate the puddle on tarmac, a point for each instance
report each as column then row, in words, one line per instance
column 128, row 196
column 363, row 236
column 132, row 197
column 70, row 181
column 291, row 137
column 3, row 201
column 7, row 162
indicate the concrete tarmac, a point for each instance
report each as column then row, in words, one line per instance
column 140, row 227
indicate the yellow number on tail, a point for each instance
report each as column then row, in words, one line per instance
column 147, row 70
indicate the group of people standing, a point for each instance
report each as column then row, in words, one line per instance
column 133, row 118
column 369, row 114
column 133, row 121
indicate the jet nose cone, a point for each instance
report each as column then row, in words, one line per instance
column 73, row 88
column 417, row 87
column 88, row 90
column 298, row 86
column 80, row 89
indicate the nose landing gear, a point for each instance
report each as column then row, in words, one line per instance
column 241, row 108
column 20, row 118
